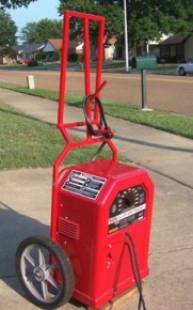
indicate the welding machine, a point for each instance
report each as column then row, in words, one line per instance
column 100, row 206
column 101, row 210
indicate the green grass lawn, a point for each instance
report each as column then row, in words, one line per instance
column 25, row 142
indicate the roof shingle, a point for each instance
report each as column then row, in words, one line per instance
column 177, row 38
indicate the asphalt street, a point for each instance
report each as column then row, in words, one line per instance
column 164, row 92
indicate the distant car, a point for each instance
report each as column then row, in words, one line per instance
column 23, row 61
column 185, row 68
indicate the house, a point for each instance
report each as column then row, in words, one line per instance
column 142, row 48
column 109, row 47
column 149, row 48
column 176, row 48
column 152, row 47
column 53, row 46
column 76, row 47
column 28, row 51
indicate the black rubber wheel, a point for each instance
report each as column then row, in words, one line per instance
column 181, row 71
column 44, row 272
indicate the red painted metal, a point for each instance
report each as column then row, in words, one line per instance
column 94, row 230
column 62, row 124
column 100, row 259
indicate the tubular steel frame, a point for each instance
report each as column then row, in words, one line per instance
column 62, row 125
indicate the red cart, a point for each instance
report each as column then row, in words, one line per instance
column 101, row 209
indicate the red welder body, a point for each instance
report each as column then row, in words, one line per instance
column 99, row 204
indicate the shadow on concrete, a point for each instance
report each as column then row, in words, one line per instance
column 154, row 145
column 146, row 143
column 14, row 227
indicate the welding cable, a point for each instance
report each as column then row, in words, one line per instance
column 103, row 128
column 118, row 269
column 99, row 150
column 135, row 268
column 130, row 245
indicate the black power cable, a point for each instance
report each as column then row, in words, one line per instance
column 130, row 245
column 102, row 127
column 135, row 268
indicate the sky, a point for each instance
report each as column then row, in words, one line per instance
column 35, row 12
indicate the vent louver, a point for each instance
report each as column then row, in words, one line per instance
column 69, row 228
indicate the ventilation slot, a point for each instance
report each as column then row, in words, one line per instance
column 69, row 228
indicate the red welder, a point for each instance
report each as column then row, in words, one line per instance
column 101, row 209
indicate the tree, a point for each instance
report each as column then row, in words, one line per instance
column 148, row 20
column 7, row 4
column 41, row 31
column 28, row 33
column 8, row 30
column 8, row 51
column 112, row 12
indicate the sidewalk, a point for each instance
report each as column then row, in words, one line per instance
column 25, row 198
column 168, row 154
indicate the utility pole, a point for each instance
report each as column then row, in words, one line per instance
column 126, row 37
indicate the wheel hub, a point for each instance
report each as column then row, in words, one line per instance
column 39, row 273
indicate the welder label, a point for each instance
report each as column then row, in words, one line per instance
column 127, row 217
column 126, row 214
column 84, row 184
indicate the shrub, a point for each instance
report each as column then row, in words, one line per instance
column 40, row 56
column 73, row 57
column 55, row 56
column 33, row 63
